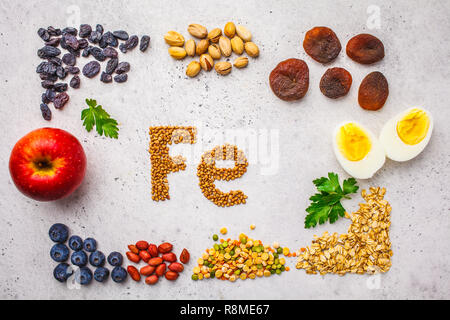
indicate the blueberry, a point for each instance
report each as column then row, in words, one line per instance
column 79, row 258
column 97, row 259
column 115, row 259
column 59, row 252
column 118, row 274
column 75, row 243
column 101, row 274
column 90, row 245
column 83, row 276
column 62, row 272
column 58, row 232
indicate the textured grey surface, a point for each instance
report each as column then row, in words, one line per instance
column 114, row 203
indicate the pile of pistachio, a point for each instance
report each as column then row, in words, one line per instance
column 212, row 46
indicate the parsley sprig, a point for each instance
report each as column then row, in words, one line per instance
column 326, row 205
column 96, row 115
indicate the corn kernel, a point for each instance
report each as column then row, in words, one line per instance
column 260, row 273
column 223, row 231
column 200, row 261
column 252, row 226
column 196, row 270
column 285, row 251
column 267, row 273
column 282, row 261
column 200, row 276
column 207, row 275
column 243, row 276
column 232, row 278
column 219, row 273
column 265, row 256
column 252, row 276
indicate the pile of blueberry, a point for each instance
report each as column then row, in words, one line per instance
column 85, row 42
column 59, row 233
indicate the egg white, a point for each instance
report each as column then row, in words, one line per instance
column 370, row 164
column 394, row 147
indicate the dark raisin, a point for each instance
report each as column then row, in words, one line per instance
column 61, row 72
column 110, row 39
column 47, row 84
column 60, row 87
column 111, row 65
column 74, row 52
column 123, row 48
column 70, row 30
column 44, row 99
column 110, row 52
column 75, row 82
column 46, row 112
column 335, row 83
column 132, row 42
column 106, row 78
column 123, row 67
column 71, row 41
column 97, row 53
column 43, row 34
column 145, row 42
column 47, row 52
column 69, row 59
column 72, row 70
column 53, row 31
column 82, row 43
column 120, row 34
column 85, row 30
column 91, row 69
column 60, row 100
column 373, row 91
column 121, row 78
column 87, row 51
column 47, row 68
column 55, row 60
column 50, row 94
column 46, row 76
column 99, row 28
column 95, row 37
column 53, row 42
column 290, row 79
column 322, row 44
column 365, row 48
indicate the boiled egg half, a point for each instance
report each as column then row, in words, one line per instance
column 407, row 134
column 357, row 150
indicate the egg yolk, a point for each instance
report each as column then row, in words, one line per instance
column 353, row 142
column 413, row 127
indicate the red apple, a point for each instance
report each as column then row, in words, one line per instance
column 47, row 164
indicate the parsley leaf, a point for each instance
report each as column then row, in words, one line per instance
column 326, row 205
column 96, row 115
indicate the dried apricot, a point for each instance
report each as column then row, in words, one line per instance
column 322, row 44
column 290, row 79
column 373, row 91
column 335, row 83
column 365, row 48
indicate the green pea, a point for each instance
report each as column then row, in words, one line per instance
column 215, row 237
column 194, row 277
column 272, row 271
column 278, row 266
column 283, row 268
column 276, row 261
column 278, row 271
column 259, row 266
column 237, row 272
column 244, row 240
column 232, row 253
column 212, row 274
column 258, row 249
column 225, row 244
column 280, row 250
column 216, row 247
column 254, row 249
column 275, row 255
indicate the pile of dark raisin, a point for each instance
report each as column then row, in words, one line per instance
column 83, row 42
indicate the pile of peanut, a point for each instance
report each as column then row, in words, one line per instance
column 212, row 46
column 366, row 248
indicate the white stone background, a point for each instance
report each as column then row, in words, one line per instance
column 114, row 204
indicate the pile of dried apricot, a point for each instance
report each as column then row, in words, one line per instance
column 290, row 79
